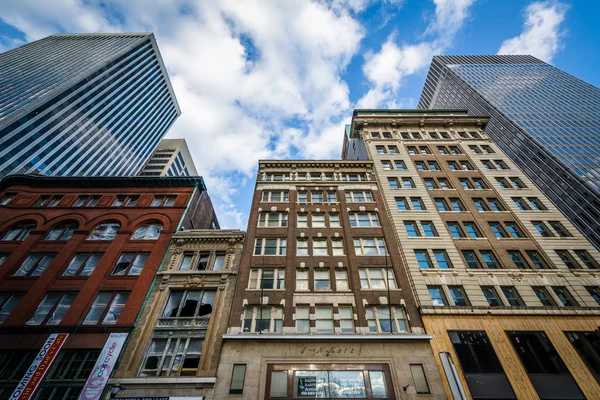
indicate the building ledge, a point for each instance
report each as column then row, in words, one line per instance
column 157, row 380
column 271, row 336
column 514, row 311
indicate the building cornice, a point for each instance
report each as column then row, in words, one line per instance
column 228, row 236
column 101, row 181
column 304, row 337
column 315, row 164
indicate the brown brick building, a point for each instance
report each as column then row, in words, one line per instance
column 507, row 287
column 78, row 255
column 319, row 275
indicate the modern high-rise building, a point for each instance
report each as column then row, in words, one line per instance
column 506, row 286
column 83, row 104
column 171, row 158
column 546, row 120
column 323, row 307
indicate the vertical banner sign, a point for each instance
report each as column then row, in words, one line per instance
column 104, row 365
column 40, row 365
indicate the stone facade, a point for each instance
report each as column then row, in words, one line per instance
column 199, row 270
column 485, row 242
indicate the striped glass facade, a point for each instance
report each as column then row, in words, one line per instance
column 81, row 104
column 546, row 120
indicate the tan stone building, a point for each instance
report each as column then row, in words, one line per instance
column 505, row 284
column 323, row 307
column 175, row 348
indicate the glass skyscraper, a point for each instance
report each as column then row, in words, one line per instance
column 546, row 120
column 83, row 104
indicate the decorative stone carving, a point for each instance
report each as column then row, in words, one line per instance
column 194, row 281
column 164, row 282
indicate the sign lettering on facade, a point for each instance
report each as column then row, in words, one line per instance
column 38, row 368
column 104, row 365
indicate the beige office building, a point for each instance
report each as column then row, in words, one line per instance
column 505, row 284
column 171, row 158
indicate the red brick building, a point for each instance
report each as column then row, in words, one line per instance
column 78, row 255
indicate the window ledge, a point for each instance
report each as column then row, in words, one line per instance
column 160, row 380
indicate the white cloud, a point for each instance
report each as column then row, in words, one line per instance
column 542, row 32
column 262, row 80
column 386, row 69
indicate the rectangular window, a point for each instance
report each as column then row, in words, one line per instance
column 337, row 246
column 400, row 165
column 331, row 197
column 106, row 308
column 401, row 204
column 594, row 291
column 319, row 247
column 423, row 259
column 173, row 357
column 83, row 264
column 48, row 201
column 437, row 296
column 499, row 232
column 272, row 219
column 560, row 229
column 420, row 165
column 491, row 296
column 324, row 319
column 302, row 319
column 458, row 296
column 512, row 296
column 316, row 197
column 302, row 247
column 489, row 259
column 514, row 230
column 369, row 247
column 272, row 196
column 387, row 165
column 129, row 263
column 536, row 204
column 472, row 230
column 479, row 184
column 503, row 183
column 302, row 197
column 334, row 220
column 566, row 258
column 375, row 278
column 455, row 230
column 380, row 149
column 564, row 296
column 394, row 183
column 238, row 374
column 433, row 165
column 412, row 229
column 380, row 320
column 346, row 316
column 543, row 296
column 429, row 229
column 441, row 204
column 542, row 228
column 8, row 302
column 267, row 278
column 35, row 264
column 417, row 204
column 536, row 259
column 318, row 220
column 441, row 257
column 341, row 280
column 471, row 259
column 520, row 203
column 302, row 280
column 587, row 260
column 444, row 183
column 52, row 309
column 364, row 220
column 321, row 279
column 302, row 221
column 517, row 259
column 263, row 319
column 430, row 184
column 456, row 205
column 496, row 205
column 359, row 197
column 270, row 247
column 86, row 201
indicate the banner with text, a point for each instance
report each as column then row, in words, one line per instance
column 104, row 365
column 40, row 365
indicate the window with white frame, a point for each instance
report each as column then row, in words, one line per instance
column 364, row 220
column 321, row 279
column 302, row 319
column 267, row 319
column 318, row 220
column 302, row 247
column 267, row 278
column 270, row 247
column 337, row 247
column 316, row 196
column 302, row 280
column 376, row 278
column 302, row 220
column 380, row 320
column 341, row 280
column 174, row 356
column 275, row 196
column 331, row 197
column 334, row 220
column 324, row 319
column 302, row 199
column 369, row 247
column 358, row 196
column 346, row 318
column 319, row 247
column 272, row 219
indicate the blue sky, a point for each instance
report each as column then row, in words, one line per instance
column 263, row 79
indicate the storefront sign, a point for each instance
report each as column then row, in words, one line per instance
column 104, row 365
column 307, row 387
column 162, row 398
column 40, row 365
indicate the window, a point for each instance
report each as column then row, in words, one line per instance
column 416, row 136
column 238, row 375
column 429, row 229
column 127, row 201
column 186, row 262
column 274, row 177
column 536, row 204
column 400, row 165
column 517, row 259
column 594, row 291
column 147, row 232
column 263, row 319
column 564, row 296
column 512, row 296
column 375, row 278
column 163, row 201
column 412, row 230
column 302, row 319
column 514, row 230
column 401, row 204
column 83, row 264
column 458, row 295
column 587, row 260
column 380, row 149
column 270, row 247
column 441, row 204
column 491, row 296
column 7, row 198
column 272, row 219
column 375, row 135
column 434, row 166
column 437, row 296
column 495, row 205
column 444, row 183
column 465, row 183
column 479, row 184
column 566, row 258
column 417, row 204
column 319, row 247
column 543, row 296
column 52, row 309
column 489, row 259
column 379, row 319
column 106, row 308
column 387, row 165
column 472, row 230
column 189, row 303
column 271, row 196
column 346, row 318
column 456, row 205
column 420, row 165
column 321, row 279
column 536, row 259
column 176, row 356
column 487, row 164
column 487, row 149
column 302, row 220
column 560, row 229
column 441, row 257
column 359, row 197
column 443, row 150
column 408, row 183
column 61, row 232
column 341, row 280
column 465, row 165
column 475, row 149
column 324, row 319
column 301, row 280
column 423, row 259
column 18, row 233
column 387, row 135
column 318, row 220
column 471, row 259
column 334, row 220
column 316, row 197
column 107, row 231
column 499, row 232
column 424, row 150
column 35, row 264
column 587, row 345
column 518, row 183
column 455, row 150
column 302, row 197
column 455, row 230
column 412, row 150
column 337, row 247
column 419, row 379
column 48, row 201
column 520, row 203
column 364, row 220
column 331, row 197
column 86, row 201
column 267, row 278
column 302, row 247
column 500, row 164
column 8, row 302
column 503, row 183
column 369, row 247
column 394, row 183
column 430, row 184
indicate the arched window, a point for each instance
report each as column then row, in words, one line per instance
column 18, row 232
column 147, row 232
column 106, row 231
column 62, row 232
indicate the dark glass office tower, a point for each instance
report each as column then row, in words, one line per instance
column 546, row 120
column 83, row 104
